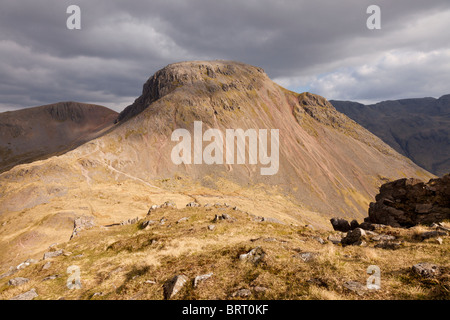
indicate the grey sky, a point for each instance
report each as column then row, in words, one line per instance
column 321, row 46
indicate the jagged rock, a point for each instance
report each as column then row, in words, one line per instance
column 211, row 227
column 259, row 289
column 217, row 217
column 9, row 273
column 46, row 266
column 356, row 287
column 52, row 254
column 340, row 224
column 335, row 239
column 51, row 277
column 354, row 224
column 367, row 226
column 306, row 256
column 82, row 223
column 168, row 204
column 129, row 221
column 272, row 220
column 173, row 286
column 225, row 216
column 17, row 281
column 147, row 224
column 29, row 295
column 319, row 240
column 149, row 282
column 383, row 237
column 242, row 293
column 432, row 234
column 389, row 245
column 426, row 269
column 152, row 208
column 25, row 264
column 255, row 255
column 183, row 219
column 202, row 277
column 353, row 237
column 408, row 202
column 193, row 204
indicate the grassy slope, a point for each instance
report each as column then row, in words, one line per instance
column 116, row 261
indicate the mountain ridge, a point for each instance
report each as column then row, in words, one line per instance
column 39, row 132
column 417, row 128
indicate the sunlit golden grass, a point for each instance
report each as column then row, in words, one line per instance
column 128, row 262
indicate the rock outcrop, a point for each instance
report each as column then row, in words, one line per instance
column 408, row 202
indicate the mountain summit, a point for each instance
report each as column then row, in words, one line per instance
column 328, row 164
column 37, row 133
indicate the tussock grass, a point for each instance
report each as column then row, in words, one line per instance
column 128, row 262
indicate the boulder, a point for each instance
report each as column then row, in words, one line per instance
column 426, row 269
column 202, row 277
column 353, row 237
column 152, row 208
column 82, row 223
column 193, row 204
column 340, row 224
column 354, row 224
column 17, row 281
column 255, row 255
column 409, row 202
column 168, row 204
column 307, row 256
column 432, row 234
column 356, row 287
column 242, row 293
column 52, row 254
column 147, row 224
column 389, row 245
column 183, row 219
column 29, row 295
column 173, row 286
column 335, row 239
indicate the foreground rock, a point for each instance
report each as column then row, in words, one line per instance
column 356, row 287
column 354, row 237
column 82, row 223
column 53, row 254
column 29, row 295
column 173, row 286
column 255, row 255
column 18, row 281
column 426, row 269
column 408, row 202
column 340, row 224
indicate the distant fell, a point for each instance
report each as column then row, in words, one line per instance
column 36, row 133
column 417, row 128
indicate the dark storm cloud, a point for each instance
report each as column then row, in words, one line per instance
column 323, row 46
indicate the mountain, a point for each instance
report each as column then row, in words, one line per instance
column 36, row 133
column 416, row 128
column 327, row 164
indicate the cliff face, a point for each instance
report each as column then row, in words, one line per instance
column 416, row 128
column 328, row 164
column 37, row 133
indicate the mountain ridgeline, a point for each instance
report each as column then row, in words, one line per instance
column 416, row 128
column 37, row 133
